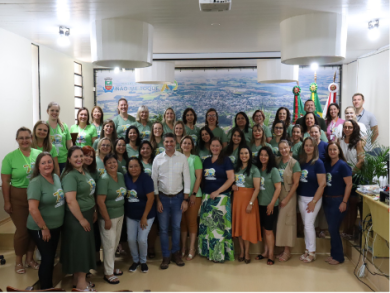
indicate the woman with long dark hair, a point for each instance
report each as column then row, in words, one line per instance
column 283, row 114
column 332, row 120
column 205, row 137
column 237, row 141
column 310, row 120
column 296, row 140
column 270, row 186
column 241, row 121
column 108, row 130
column 189, row 119
column 315, row 132
column 133, row 140
column 121, row 154
column 86, row 133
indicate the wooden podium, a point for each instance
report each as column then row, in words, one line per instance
column 380, row 225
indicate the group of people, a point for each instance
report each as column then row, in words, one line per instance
column 125, row 179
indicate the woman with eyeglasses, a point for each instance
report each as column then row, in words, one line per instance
column 350, row 114
column 351, row 144
column 333, row 120
column 203, row 149
column 156, row 139
column 310, row 120
column 41, row 141
column 133, row 140
column 189, row 118
column 104, row 148
column 16, row 171
column 123, row 120
column 97, row 119
column 169, row 119
column 283, row 114
column 258, row 117
column 336, row 195
column 212, row 122
column 86, row 133
column 237, row 141
column 143, row 124
column 280, row 133
column 241, row 121
column 286, row 228
column 258, row 141
column 108, row 130
column 296, row 140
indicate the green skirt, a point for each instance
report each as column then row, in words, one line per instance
column 215, row 228
column 77, row 246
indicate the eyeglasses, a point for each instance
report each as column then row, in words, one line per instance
column 211, row 115
column 105, row 145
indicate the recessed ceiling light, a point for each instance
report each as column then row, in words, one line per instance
column 373, row 30
column 214, row 23
column 314, row 66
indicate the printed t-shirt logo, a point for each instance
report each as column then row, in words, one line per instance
column 240, row 180
column 148, row 171
column 159, row 150
column 56, row 139
column 254, row 154
column 328, row 179
column 204, row 157
column 232, row 158
column 209, row 174
column 124, row 169
column 121, row 193
column 276, row 150
column 194, row 138
column 29, row 169
column 101, row 171
column 92, row 186
column 81, row 139
column 304, row 175
column 132, row 196
column 281, row 172
column 59, row 194
column 145, row 134
column 262, row 184
column 124, row 127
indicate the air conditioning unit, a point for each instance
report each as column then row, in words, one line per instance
column 215, row 5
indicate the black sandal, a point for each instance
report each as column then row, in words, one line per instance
column 247, row 260
column 240, row 259
column 259, row 257
column 270, row 262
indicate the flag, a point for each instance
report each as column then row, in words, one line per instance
column 333, row 88
column 315, row 99
column 298, row 105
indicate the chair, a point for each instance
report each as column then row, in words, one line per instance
column 12, row 289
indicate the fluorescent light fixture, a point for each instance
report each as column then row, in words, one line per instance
column 116, row 70
column 314, row 66
column 373, row 30
column 63, row 39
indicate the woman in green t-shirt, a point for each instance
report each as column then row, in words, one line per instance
column 133, row 140
column 241, row 121
column 259, row 118
column 86, row 132
column 296, row 140
column 189, row 219
column 290, row 172
column 97, row 119
column 143, row 124
column 245, row 218
column 121, row 154
column 78, row 246
column 237, row 141
column 270, row 187
column 111, row 193
column 180, row 132
column 169, row 119
column 105, row 147
column 203, row 149
column 59, row 134
column 123, row 120
column 46, row 204
column 16, row 171
column 109, row 131
column 156, row 138
column 280, row 133
column 212, row 122
column 41, row 141
column 258, row 141
column 189, row 118
column 283, row 114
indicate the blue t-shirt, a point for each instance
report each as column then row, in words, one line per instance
column 335, row 175
column 214, row 175
column 322, row 150
column 308, row 183
column 136, row 198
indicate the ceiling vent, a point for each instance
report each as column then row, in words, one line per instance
column 215, row 5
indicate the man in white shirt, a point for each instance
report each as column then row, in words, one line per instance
column 364, row 116
column 171, row 178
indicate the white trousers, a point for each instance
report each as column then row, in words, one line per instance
column 308, row 220
column 110, row 240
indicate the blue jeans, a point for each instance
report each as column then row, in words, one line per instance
column 334, row 218
column 171, row 210
column 136, row 235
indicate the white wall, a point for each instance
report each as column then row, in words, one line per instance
column 370, row 76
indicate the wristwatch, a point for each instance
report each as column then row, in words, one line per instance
column 194, row 193
column 187, row 199
column 44, row 227
column 314, row 201
column 251, row 203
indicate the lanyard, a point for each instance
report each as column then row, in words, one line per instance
column 333, row 126
column 28, row 163
column 83, row 132
column 358, row 119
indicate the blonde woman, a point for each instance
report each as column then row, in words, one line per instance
column 258, row 141
column 350, row 114
column 180, row 132
column 123, row 120
column 169, row 119
column 156, row 138
column 104, row 148
column 143, row 124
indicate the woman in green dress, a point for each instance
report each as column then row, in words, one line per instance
column 258, row 141
column 215, row 228
column 78, row 245
column 189, row 118
column 59, row 133
column 241, row 121
column 41, row 141
column 105, row 147
column 133, row 140
column 121, row 154
column 203, row 149
column 180, row 132
column 169, row 119
column 156, row 138
column 189, row 220
column 123, row 120
column 97, row 119
column 258, row 117
column 212, row 122
column 109, row 131
column 237, row 141
column 296, row 140
column 280, row 133
column 283, row 114
column 86, row 132
column 143, row 124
